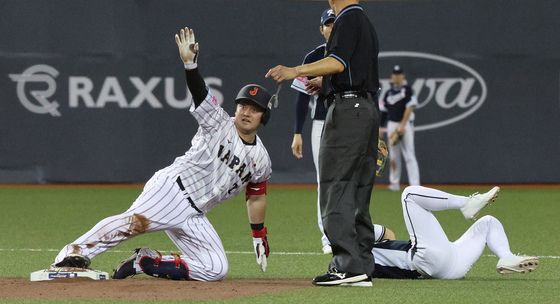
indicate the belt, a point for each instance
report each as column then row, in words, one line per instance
column 347, row 94
column 189, row 199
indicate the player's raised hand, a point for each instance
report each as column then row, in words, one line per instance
column 188, row 47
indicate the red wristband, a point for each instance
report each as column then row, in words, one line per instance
column 259, row 233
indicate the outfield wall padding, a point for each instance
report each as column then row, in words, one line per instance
column 93, row 91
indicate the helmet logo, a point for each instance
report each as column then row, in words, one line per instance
column 253, row 91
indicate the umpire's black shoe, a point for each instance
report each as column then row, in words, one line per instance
column 74, row 260
column 335, row 278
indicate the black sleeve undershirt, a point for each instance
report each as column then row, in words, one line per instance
column 302, row 106
column 197, row 86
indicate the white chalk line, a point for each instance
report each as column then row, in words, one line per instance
column 227, row 252
column 161, row 250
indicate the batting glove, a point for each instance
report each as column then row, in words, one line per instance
column 188, row 47
column 260, row 245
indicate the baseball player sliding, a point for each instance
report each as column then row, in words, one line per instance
column 226, row 157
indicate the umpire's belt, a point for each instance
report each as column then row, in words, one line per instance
column 180, row 183
column 347, row 94
column 342, row 96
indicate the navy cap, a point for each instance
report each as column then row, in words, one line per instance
column 327, row 16
column 397, row 69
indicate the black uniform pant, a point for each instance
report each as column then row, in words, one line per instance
column 347, row 162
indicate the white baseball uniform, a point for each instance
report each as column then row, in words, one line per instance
column 429, row 254
column 316, row 132
column 304, row 102
column 395, row 102
column 218, row 166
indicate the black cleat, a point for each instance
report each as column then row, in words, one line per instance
column 74, row 260
column 126, row 268
column 335, row 278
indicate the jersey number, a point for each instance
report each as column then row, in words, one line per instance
column 235, row 186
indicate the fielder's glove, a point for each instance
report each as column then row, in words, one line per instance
column 382, row 153
column 188, row 47
column 260, row 245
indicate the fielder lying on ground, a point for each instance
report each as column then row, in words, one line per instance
column 429, row 254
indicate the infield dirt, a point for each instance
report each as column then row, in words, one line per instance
column 144, row 289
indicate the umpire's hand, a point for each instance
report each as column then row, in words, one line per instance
column 281, row 73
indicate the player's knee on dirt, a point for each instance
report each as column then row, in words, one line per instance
column 211, row 272
column 217, row 273
column 175, row 269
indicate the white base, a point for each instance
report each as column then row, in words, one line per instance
column 54, row 273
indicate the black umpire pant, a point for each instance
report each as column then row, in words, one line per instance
column 347, row 163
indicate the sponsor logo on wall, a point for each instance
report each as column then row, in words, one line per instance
column 448, row 90
column 37, row 85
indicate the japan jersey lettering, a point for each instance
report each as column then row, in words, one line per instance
column 219, row 164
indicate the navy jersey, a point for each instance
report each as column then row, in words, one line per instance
column 396, row 100
column 392, row 260
column 318, row 110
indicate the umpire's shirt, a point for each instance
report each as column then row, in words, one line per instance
column 356, row 50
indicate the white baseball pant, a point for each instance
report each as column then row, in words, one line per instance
column 316, row 132
column 160, row 206
column 435, row 255
column 405, row 148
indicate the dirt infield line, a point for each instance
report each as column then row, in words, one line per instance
column 144, row 289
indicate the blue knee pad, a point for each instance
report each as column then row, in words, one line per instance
column 173, row 270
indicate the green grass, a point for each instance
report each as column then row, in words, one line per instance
column 49, row 218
